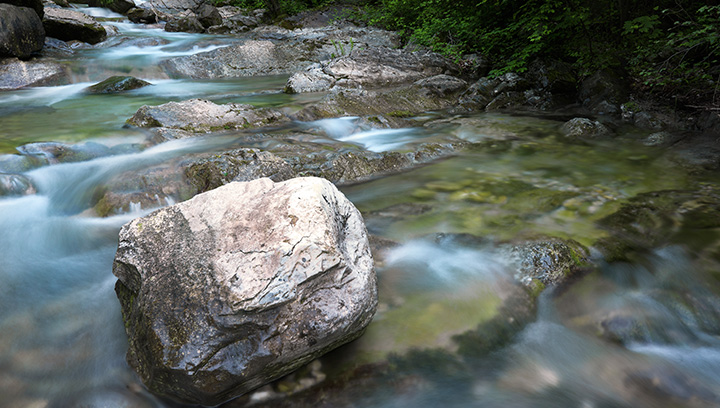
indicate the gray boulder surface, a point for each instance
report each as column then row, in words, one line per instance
column 21, row 31
column 66, row 25
column 197, row 115
column 272, row 50
column 208, row 15
column 241, row 285
column 15, row 74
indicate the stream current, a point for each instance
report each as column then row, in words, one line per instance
column 62, row 342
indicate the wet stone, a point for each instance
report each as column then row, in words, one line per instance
column 117, row 84
column 15, row 184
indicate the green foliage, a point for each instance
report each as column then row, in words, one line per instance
column 676, row 47
column 667, row 42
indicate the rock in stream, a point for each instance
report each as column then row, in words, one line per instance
column 242, row 285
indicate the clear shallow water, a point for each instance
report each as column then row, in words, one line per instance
column 61, row 337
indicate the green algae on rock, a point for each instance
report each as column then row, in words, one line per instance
column 116, row 84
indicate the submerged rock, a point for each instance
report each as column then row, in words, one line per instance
column 242, row 285
column 585, row 129
column 546, row 261
column 657, row 218
column 15, row 184
column 66, row 25
column 56, row 152
column 197, row 115
column 116, row 84
column 21, row 31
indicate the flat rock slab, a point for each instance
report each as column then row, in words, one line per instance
column 197, row 115
column 16, row 74
column 242, row 285
column 371, row 67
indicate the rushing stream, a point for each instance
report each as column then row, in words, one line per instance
column 62, row 342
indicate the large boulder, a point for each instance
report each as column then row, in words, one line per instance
column 197, row 115
column 15, row 74
column 545, row 261
column 66, row 25
column 242, row 285
column 142, row 16
column 208, row 15
column 272, row 50
column 21, row 31
column 15, row 184
column 252, row 57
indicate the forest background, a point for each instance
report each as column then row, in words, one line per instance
column 669, row 49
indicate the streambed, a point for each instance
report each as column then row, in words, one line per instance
column 626, row 334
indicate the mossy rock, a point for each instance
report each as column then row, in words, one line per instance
column 546, row 261
column 117, row 84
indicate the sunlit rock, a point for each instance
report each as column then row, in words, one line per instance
column 272, row 50
column 241, row 285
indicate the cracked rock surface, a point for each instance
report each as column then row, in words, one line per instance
column 198, row 115
column 242, row 285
